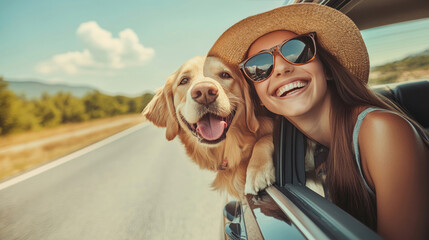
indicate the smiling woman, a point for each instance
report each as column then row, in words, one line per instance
column 324, row 94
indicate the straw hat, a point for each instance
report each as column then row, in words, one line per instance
column 336, row 32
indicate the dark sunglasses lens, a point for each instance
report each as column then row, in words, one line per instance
column 259, row 67
column 298, row 50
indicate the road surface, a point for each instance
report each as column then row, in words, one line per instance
column 139, row 186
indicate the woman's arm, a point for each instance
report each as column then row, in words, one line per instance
column 396, row 163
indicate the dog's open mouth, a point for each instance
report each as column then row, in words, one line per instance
column 211, row 128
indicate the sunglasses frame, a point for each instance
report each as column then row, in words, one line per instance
column 277, row 48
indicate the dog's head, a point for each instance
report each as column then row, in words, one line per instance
column 215, row 68
column 202, row 106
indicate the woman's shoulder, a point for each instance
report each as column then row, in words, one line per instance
column 388, row 135
column 382, row 118
column 386, row 126
column 388, row 139
column 386, row 123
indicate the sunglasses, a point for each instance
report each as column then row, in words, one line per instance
column 296, row 51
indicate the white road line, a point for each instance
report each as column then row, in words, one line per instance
column 69, row 157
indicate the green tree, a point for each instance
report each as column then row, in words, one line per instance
column 6, row 98
column 16, row 115
column 98, row 105
column 133, row 105
column 23, row 116
column 122, row 104
column 49, row 115
column 72, row 109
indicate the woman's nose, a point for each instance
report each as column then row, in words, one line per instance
column 281, row 66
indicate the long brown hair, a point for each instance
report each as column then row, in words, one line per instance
column 348, row 92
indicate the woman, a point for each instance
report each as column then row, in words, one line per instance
column 308, row 63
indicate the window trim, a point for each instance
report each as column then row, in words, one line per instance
column 321, row 216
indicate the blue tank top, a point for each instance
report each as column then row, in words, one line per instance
column 360, row 118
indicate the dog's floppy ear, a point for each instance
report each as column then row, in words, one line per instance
column 251, row 120
column 161, row 112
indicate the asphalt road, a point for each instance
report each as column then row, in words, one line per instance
column 139, row 186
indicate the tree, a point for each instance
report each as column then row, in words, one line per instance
column 22, row 116
column 72, row 109
column 6, row 98
column 49, row 115
column 98, row 105
column 15, row 114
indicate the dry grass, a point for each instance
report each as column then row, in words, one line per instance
column 15, row 163
column 24, row 137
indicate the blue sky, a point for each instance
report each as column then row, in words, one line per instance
column 132, row 46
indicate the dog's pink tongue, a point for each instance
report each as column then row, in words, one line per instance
column 211, row 127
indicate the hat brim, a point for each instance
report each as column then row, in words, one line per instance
column 336, row 32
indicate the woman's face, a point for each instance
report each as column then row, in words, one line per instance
column 291, row 90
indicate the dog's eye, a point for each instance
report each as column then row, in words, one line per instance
column 224, row 75
column 184, row 80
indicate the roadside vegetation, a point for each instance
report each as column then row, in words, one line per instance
column 17, row 114
column 409, row 68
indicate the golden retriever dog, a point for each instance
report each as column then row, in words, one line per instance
column 214, row 118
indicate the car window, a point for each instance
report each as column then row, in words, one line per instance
column 398, row 52
column 299, row 189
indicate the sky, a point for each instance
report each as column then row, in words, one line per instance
column 130, row 47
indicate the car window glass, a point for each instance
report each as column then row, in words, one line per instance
column 398, row 52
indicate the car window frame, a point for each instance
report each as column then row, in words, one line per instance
column 315, row 216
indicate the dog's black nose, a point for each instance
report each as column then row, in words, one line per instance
column 204, row 93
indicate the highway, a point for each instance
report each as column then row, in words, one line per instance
column 133, row 186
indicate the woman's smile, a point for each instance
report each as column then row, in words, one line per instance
column 291, row 88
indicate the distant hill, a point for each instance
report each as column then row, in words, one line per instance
column 34, row 89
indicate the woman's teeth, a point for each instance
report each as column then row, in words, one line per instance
column 289, row 87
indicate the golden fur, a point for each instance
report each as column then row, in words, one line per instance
column 248, row 144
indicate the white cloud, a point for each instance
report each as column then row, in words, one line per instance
column 103, row 51
column 69, row 63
